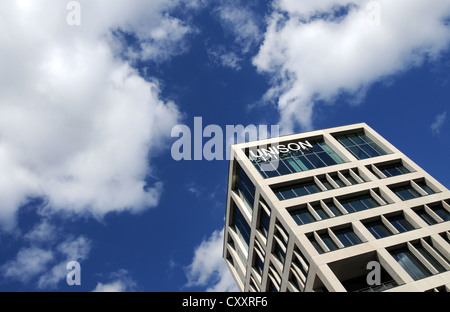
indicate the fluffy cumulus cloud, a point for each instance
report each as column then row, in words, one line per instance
column 72, row 249
column 120, row 282
column 44, row 261
column 208, row 268
column 238, row 18
column 240, row 22
column 318, row 50
column 76, row 121
column 28, row 263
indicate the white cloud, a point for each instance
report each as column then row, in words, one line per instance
column 438, row 123
column 122, row 282
column 77, row 124
column 28, row 263
column 72, row 249
column 208, row 268
column 42, row 232
column 194, row 189
column 116, row 286
column 318, row 50
column 220, row 56
column 238, row 18
column 47, row 265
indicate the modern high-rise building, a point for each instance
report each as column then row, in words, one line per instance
column 339, row 209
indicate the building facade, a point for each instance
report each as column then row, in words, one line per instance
column 335, row 210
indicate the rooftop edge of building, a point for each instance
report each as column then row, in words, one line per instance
column 294, row 136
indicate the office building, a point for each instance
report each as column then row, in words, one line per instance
column 334, row 210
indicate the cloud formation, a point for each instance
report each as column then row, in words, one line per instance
column 208, row 268
column 78, row 124
column 318, row 50
column 43, row 260
column 121, row 282
column 438, row 123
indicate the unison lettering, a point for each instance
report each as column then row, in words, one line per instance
column 273, row 152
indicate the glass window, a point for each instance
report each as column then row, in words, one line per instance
column 360, row 203
column 410, row 264
column 293, row 165
column 266, row 169
column 325, row 183
column 392, row 170
column 258, row 264
column 321, row 212
column 246, row 189
column 360, row 145
column 346, row 141
column 358, row 152
column 285, row 193
column 441, row 212
column 400, row 223
column 279, row 253
column 264, row 221
column 350, row 178
column 271, row 287
column 316, row 245
column 426, row 217
column 312, row 188
column 336, row 157
column 315, row 160
column 320, row 155
column 406, row 192
column 300, row 191
column 369, row 150
column 369, row 202
column 328, row 241
column 283, row 168
column 302, row 216
column 326, row 158
column 378, row 229
column 425, row 187
column 334, row 209
column 241, row 227
column 304, row 162
column 347, row 237
column 297, row 190
column 429, row 258
column 337, row 180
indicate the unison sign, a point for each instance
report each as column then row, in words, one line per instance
column 273, row 152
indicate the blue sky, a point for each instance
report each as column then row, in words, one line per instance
column 86, row 114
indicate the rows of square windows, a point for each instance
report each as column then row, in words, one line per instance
column 421, row 258
column 405, row 191
column 334, row 238
column 412, row 189
column 328, row 181
column 299, row 264
column 360, row 145
column 333, row 207
column 383, row 226
column 389, row 169
column 242, row 230
column 331, row 239
column 433, row 213
column 320, row 155
column 410, row 256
